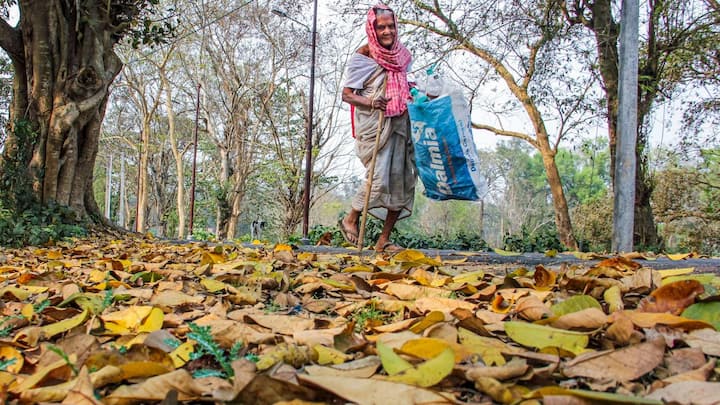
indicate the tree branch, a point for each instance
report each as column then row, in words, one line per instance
column 11, row 41
column 504, row 132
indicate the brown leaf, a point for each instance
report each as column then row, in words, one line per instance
column 532, row 308
column 155, row 389
column 622, row 365
column 371, row 391
column 707, row 340
column 673, row 297
column 589, row 318
column 83, row 391
column 688, row 392
column 514, row 368
column 544, row 278
column 686, row 359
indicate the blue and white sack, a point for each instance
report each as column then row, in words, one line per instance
column 445, row 153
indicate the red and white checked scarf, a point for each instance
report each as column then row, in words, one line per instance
column 395, row 61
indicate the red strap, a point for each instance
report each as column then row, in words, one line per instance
column 352, row 119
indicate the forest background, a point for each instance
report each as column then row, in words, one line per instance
column 541, row 78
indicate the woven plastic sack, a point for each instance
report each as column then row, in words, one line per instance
column 445, row 153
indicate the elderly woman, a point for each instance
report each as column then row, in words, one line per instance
column 376, row 82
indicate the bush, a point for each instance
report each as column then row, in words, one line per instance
column 408, row 239
column 540, row 240
column 38, row 225
column 23, row 220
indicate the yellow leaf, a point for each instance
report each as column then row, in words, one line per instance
column 675, row 272
column 153, row 322
column 540, row 337
column 430, row 319
column 613, row 297
column 307, row 257
column 41, row 373
column 97, row 276
column 9, row 352
column 505, row 252
column 54, row 255
column 181, row 354
column 65, row 325
column 551, row 253
column 472, row 278
column 491, row 350
column 428, row 373
column 327, row 355
column 391, row 361
column 143, row 369
column 213, row 285
column 27, row 311
column 678, row 256
column 211, row 258
column 425, row 348
column 127, row 320
column 282, row 247
column 358, row 268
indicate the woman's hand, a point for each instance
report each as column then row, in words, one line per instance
column 379, row 103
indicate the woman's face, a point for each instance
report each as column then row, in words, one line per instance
column 385, row 29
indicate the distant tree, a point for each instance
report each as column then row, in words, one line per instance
column 679, row 44
column 524, row 48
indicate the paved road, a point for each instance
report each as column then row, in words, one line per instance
column 705, row 265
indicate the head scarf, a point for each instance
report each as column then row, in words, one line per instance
column 395, row 61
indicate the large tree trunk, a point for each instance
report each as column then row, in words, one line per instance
column 60, row 88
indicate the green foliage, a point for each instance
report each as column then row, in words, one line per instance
column 539, row 240
column 208, row 346
column 5, row 363
column 201, row 234
column 38, row 225
column 365, row 314
column 23, row 220
column 409, row 238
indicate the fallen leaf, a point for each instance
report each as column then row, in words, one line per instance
column 704, row 311
column 428, row 373
column 514, row 368
column 707, row 340
column 372, row 391
column 574, row 304
column 625, row 364
column 541, row 337
column 672, row 297
column 688, row 392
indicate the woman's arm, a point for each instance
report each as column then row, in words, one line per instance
column 349, row 96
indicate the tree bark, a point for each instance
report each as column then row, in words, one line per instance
column 64, row 64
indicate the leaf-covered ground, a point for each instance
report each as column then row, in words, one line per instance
column 143, row 321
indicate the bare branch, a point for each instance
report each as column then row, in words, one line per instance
column 504, row 132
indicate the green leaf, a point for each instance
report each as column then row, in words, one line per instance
column 391, row 361
column 574, row 304
column 540, row 337
column 430, row 372
column 704, row 311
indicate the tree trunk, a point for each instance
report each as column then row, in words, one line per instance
column 177, row 155
column 143, row 192
column 606, row 31
column 62, row 75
